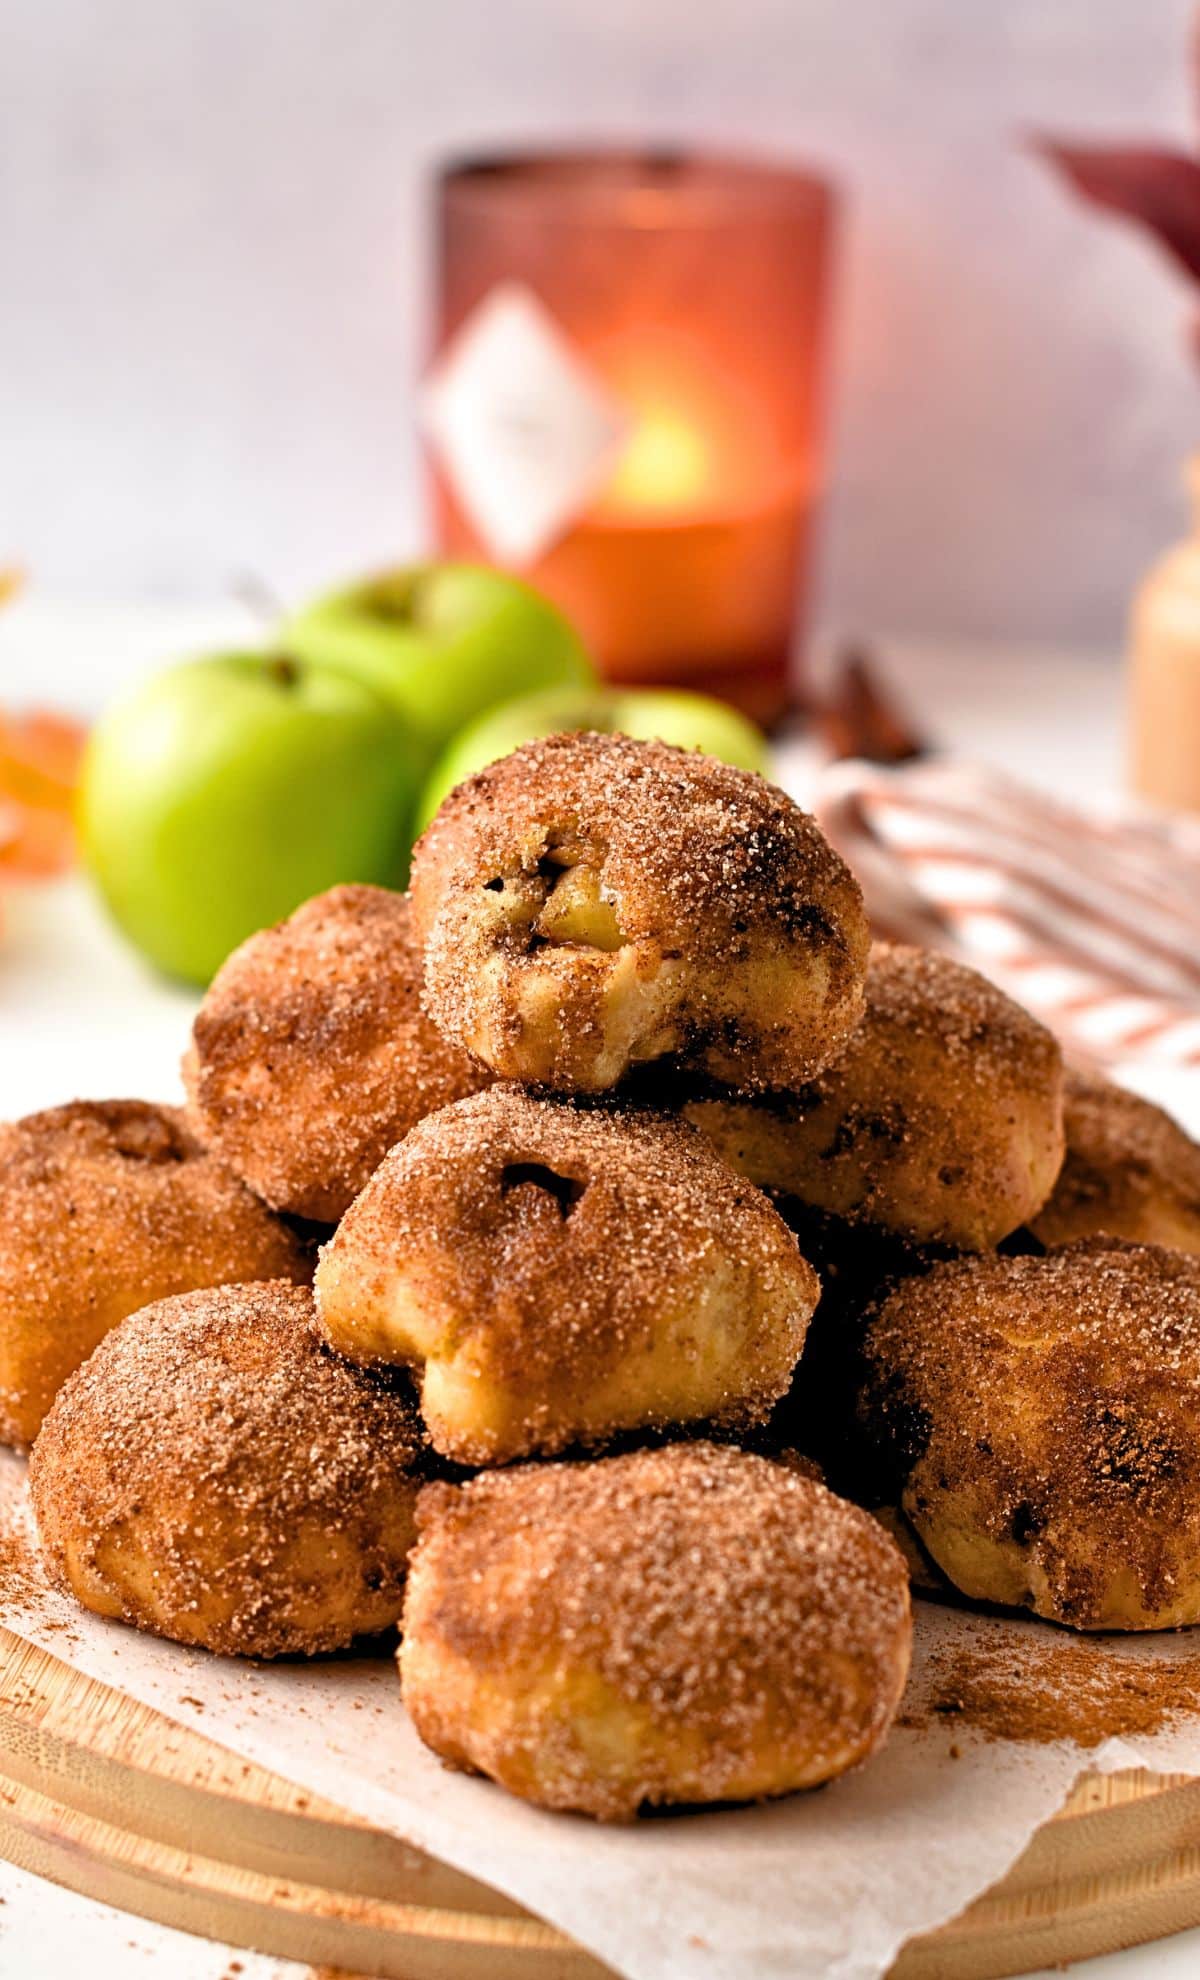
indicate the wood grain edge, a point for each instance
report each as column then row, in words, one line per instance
column 277, row 1915
column 96, row 1749
column 94, row 1771
column 1000, row 1935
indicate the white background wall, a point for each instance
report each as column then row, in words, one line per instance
column 212, row 280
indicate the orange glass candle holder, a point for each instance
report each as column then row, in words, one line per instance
column 626, row 402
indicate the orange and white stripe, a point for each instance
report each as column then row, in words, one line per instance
column 1091, row 919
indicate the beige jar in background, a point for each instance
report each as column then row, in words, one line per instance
column 1164, row 710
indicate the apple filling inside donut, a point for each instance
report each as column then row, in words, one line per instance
column 576, row 912
column 568, row 995
column 559, row 899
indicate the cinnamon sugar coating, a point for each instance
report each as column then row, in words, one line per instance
column 213, row 1474
column 1130, row 1171
column 1042, row 1419
column 940, row 1121
column 104, row 1206
column 590, row 903
column 311, row 1053
column 684, row 1625
column 560, row 1271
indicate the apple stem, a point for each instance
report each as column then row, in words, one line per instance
column 283, row 670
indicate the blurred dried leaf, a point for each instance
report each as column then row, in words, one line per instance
column 1157, row 188
column 45, row 749
column 40, row 754
column 34, row 844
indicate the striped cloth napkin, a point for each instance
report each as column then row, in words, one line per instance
column 1089, row 918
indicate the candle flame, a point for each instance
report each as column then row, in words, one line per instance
column 665, row 464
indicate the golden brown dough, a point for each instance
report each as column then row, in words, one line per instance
column 311, row 1053
column 1130, row 1171
column 563, row 1271
column 104, row 1206
column 590, row 903
column 940, row 1121
column 690, row 1624
column 214, row 1474
column 1042, row 1417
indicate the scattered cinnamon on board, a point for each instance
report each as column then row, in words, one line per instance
column 22, row 1581
column 1035, row 1692
column 19, row 1577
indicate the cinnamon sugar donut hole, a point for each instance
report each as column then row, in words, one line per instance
column 106, row 1205
column 590, row 903
column 214, row 1475
column 940, row 1121
column 1130, row 1171
column 1042, row 1418
column 560, row 1272
column 684, row 1625
column 311, row 1053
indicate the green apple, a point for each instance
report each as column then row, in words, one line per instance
column 693, row 721
column 444, row 642
column 220, row 794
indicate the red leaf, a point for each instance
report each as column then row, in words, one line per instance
column 1157, row 188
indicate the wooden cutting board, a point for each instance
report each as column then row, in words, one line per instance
column 115, row 1800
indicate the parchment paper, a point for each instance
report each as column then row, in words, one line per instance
column 825, row 1884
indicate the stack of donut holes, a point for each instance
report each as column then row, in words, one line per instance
column 534, row 1247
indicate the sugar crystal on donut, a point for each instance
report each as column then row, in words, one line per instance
column 561, row 1271
column 682, row 1625
column 311, row 1053
column 214, row 1474
column 939, row 1121
column 1130, row 1171
column 591, row 903
column 106, row 1205
column 1041, row 1417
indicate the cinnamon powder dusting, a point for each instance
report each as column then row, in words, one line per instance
column 1036, row 1692
column 23, row 1584
column 19, row 1576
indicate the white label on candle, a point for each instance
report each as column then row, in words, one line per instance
column 524, row 431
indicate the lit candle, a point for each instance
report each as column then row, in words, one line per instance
column 625, row 405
